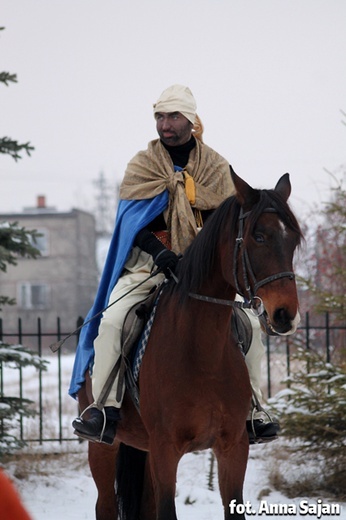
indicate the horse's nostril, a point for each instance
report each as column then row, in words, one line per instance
column 281, row 317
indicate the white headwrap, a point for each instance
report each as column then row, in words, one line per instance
column 177, row 98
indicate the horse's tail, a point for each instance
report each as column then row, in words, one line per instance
column 130, row 481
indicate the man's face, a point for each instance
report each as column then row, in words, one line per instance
column 173, row 128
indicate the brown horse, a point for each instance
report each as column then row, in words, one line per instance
column 195, row 392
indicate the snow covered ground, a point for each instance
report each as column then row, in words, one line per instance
column 55, row 483
column 59, row 486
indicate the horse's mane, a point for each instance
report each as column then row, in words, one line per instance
column 199, row 258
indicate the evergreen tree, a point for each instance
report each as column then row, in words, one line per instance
column 7, row 145
column 15, row 242
column 312, row 413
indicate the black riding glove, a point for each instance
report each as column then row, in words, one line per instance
column 167, row 261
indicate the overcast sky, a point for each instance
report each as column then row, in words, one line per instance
column 269, row 77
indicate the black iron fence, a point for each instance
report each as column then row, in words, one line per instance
column 322, row 333
column 48, row 389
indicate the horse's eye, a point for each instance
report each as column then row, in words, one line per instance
column 259, row 238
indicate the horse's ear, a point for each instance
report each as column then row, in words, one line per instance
column 246, row 195
column 283, row 186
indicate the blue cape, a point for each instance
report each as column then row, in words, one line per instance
column 132, row 216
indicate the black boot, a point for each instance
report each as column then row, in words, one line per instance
column 91, row 429
column 260, row 431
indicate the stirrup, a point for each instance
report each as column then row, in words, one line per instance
column 93, row 438
column 256, row 410
column 256, row 439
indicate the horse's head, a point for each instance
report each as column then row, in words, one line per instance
column 268, row 234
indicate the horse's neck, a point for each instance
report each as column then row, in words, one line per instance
column 207, row 334
column 216, row 287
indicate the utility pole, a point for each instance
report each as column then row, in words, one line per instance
column 106, row 202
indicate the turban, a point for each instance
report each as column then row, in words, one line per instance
column 177, row 98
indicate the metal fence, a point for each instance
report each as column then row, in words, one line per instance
column 322, row 333
column 49, row 389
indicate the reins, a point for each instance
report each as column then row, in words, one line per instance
column 56, row 346
column 256, row 310
column 220, row 301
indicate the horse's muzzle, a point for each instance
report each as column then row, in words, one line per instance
column 281, row 325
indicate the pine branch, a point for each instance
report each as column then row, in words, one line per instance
column 313, row 410
column 16, row 241
column 12, row 148
column 13, row 406
column 6, row 77
column 5, row 300
column 21, row 356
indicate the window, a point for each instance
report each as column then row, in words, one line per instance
column 34, row 295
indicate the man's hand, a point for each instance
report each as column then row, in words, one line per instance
column 167, row 261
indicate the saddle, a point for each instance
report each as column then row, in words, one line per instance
column 241, row 329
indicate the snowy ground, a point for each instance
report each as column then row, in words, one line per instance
column 55, row 483
column 58, row 486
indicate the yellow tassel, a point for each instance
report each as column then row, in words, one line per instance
column 190, row 188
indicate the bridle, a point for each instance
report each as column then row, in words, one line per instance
column 252, row 301
column 247, row 269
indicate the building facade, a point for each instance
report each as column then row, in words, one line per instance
column 62, row 282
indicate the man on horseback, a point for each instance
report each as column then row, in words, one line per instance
column 167, row 193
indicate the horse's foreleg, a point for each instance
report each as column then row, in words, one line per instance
column 163, row 464
column 148, row 506
column 102, row 462
column 231, row 469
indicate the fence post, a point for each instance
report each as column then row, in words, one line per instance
column 268, row 367
column 40, row 385
column 288, row 361
column 307, row 339
column 20, row 341
column 1, row 379
column 307, row 330
column 59, row 381
column 327, row 338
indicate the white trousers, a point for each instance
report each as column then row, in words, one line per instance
column 107, row 344
column 253, row 358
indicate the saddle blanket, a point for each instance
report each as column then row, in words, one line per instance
column 143, row 342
